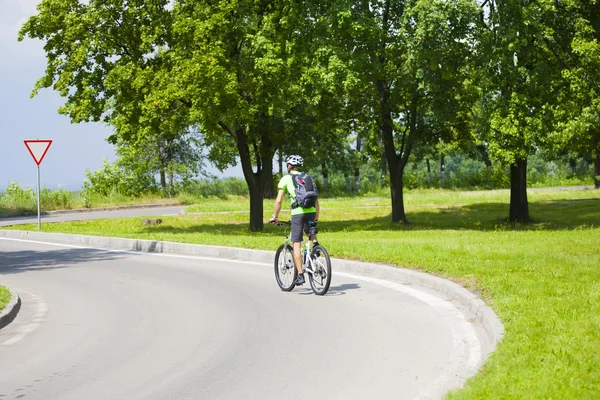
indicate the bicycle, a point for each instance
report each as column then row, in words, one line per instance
column 317, row 265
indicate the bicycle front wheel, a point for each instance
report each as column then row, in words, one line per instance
column 321, row 278
column 285, row 271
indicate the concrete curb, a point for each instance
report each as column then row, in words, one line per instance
column 457, row 294
column 85, row 210
column 11, row 310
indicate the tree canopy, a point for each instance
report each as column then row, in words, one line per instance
column 338, row 81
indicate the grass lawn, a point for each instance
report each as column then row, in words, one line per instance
column 543, row 279
column 4, row 297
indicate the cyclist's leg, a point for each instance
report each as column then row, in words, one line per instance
column 296, row 238
column 307, row 229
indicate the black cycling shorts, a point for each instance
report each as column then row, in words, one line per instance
column 299, row 224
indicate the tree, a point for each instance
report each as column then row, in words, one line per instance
column 118, row 179
column 411, row 59
column 521, row 80
column 242, row 64
column 173, row 157
column 578, row 130
column 101, row 55
column 151, row 69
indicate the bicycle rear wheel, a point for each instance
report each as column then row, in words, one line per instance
column 321, row 278
column 285, row 271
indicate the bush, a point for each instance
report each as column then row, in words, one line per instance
column 56, row 199
column 113, row 180
column 17, row 197
column 220, row 188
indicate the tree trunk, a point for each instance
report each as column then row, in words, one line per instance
column 597, row 172
column 325, row 176
column 519, row 207
column 280, row 162
column 397, row 191
column 395, row 162
column 269, row 188
column 163, row 180
column 485, row 155
column 348, row 185
column 573, row 165
column 256, row 180
column 442, row 170
column 171, row 179
column 383, row 169
column 357, row 169
column 428, row 171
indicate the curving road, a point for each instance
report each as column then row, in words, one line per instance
column 99, row 324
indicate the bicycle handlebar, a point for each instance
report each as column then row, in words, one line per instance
column 289, row 223
column 280, row 223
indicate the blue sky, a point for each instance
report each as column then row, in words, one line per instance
column 75, row 147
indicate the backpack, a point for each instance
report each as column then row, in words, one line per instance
column 306, row 191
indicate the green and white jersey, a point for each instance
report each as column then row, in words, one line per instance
column 286, row 183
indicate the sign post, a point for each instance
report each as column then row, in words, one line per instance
column 38, row 150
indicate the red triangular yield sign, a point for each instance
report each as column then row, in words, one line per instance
column 38, row 149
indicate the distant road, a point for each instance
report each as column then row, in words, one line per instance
column 589, row 187
column 87, row 215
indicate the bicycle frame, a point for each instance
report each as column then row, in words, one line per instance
column 305, row 249
column 315, row 262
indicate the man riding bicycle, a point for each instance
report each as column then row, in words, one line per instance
column 300, row 216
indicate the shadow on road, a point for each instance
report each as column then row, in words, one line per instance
column 13, row 262
column 338, row 290
column 343, row 287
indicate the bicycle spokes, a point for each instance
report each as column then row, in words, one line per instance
column 320, row 279
column 285, row 271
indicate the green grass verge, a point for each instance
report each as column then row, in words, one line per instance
column 542, row 278
column 4, row 297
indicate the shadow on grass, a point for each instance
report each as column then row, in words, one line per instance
column 13, row 262
column 546, row 215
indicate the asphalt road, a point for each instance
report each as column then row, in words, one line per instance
column 116, row 325
column 63, row 217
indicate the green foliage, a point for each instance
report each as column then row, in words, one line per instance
column 310, row 77
column 410, row 64
column 56, row 199
column 114, row 179
column 175, row 158
column 17, row 197
column 219, row 188
column 520, row 77
column 577, row 131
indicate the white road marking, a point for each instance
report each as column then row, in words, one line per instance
column 466, row 343
column 41, row 309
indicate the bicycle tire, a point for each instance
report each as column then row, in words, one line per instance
column 288, row 267
column 324, row 268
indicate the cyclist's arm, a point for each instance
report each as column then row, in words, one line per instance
column 318, row 209
column 278, row 203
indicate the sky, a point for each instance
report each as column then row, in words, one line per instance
column 75, row 147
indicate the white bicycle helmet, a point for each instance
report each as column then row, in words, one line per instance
column 294, row 160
